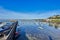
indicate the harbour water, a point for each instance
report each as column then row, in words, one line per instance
column 37, row 31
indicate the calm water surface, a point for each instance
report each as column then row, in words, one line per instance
column 37, row 31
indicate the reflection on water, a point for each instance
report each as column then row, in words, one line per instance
column 38, row 31
column 57, row 26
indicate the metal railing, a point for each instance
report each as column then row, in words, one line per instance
column 11, row 35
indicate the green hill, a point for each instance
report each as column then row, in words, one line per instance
column 55, row 17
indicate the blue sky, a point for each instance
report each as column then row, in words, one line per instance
column 29, row 9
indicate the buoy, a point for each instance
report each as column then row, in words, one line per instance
column 16, row 33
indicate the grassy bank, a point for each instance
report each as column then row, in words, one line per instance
column 55, row 21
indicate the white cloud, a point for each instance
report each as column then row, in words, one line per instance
column 6, row 14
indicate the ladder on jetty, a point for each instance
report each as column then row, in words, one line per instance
column 11, row 35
